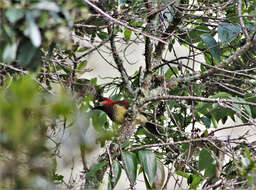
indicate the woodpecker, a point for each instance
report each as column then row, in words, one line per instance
column 117, row 109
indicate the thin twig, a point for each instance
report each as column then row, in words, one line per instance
column 170, row 143
column 108, row 17
column 119, row 62
column 14, row 68
column 155, row 11
column 111, row 174
column 195, row 98
column 229, row 127
column 239, row 7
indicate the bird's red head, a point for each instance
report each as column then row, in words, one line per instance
column 107, row 101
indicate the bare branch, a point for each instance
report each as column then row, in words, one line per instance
column 111, row 168
column 119, row 62
column 170, row 143
column 239, row 7
column 195, row 98
column 108, row 17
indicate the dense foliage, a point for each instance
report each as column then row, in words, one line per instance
column 189, row 95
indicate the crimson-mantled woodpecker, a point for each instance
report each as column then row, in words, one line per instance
column 117, row 109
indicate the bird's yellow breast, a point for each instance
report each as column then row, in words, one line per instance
column 119, row 113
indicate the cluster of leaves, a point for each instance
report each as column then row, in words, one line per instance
column 26, row 115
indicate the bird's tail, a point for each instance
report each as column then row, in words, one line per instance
column 152, row 128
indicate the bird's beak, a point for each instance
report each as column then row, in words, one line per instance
column 99, row 106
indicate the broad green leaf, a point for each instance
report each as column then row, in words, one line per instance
column 246, row 107
column 227, row 32
column 127, row 34
column 116, row 171
column 116, row 97
column 253, row 108
column 82, row 49
column 130, row 163
column 168, row 13
column 14, row 14
column 32, row 31
column 196, row 179
column 160, row 176
column 212, row 45
column 221, row 95
column 47, row 5
column 8, row 33
column 102, row 35
column 184, row 174
column 204, row 108
column 195, row 33
column 122, row 1
column 170, row 73
column 205, row 159
column 251, row 27
column 9, row 53
column 148, row 161
column 99, row 119
column 26, row 53
column 95, row 168
column 210, row 170
column 82, row 64
column 206, row 121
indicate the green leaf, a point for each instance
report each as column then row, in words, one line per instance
column 82, row 49
column 47, row 6
column 99, row 119
column 251, row 27
column 205, row 159
column 82, row 65
column 26, row 53
column 204, row 108
column 206, row 121
column 221, row 95
column 130, row 163
column 168, row 13
column 116, row 171
column 253, row 108
column 95, row 168
column 122, row 2
column 127, row 34
column 58, row 177
column 195, row 33
column 160, row 176
column 102, row 35
column 214, row 123
column 195, row 181
column 228, row 32
column 170, row 73
column 148, row 161
column 116, row 97
column 14, row 14
column 210, row 170
column 9, row 53
column 32, row 31
column 9, row 33
column 212, row 45
column 246, row 107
